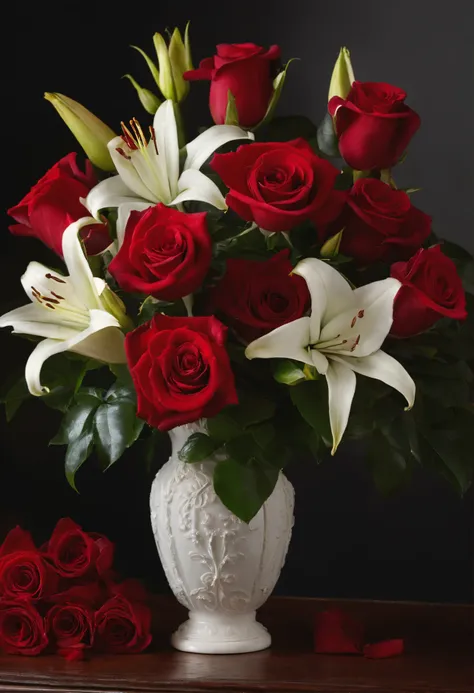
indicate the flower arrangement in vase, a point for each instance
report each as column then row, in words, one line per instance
column 261, row 290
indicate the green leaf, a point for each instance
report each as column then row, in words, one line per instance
column 327, row 138
column 231, row 112
column 285, row 128
column 311, row 400
column 149, row 307
column 223, row 426
column 278, row 84
column 198, row 447
column 252, row 409
column 76, row 419
column 387, row 464
column 79, row 450
column 263, row 434
column 244, row 488
column 454, row 451
column 64, row 375
column 14, row 396
column 288, row 372
column 116, row 428
column 151, row 65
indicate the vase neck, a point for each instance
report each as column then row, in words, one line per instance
column 180, row 434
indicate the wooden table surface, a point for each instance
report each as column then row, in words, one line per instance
column 438, row 657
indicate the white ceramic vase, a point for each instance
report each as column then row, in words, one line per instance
column 218, row 567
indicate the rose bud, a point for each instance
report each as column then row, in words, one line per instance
column 24, row 574
column 75, row 553
column 257, row 297
column 54, row 202
column 181, row 370
column 431, row 289
column 123, row 627
column 373, row 125
column 22, row 629
column 378, row 224
column 165, row 253
column 244, row 69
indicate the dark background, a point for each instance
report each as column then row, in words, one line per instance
column 347, row 541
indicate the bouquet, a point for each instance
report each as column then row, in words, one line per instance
column 65, row 597
column 267, row 278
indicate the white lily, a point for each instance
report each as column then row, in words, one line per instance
column 341, row 337
column 74, row 313
column 149, row 171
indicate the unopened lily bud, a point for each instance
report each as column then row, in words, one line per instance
column 331, row 246
column 179, row 57
column 342, row 75
column 148, row 99
column 166, row 82
column 114, row 305
column 92, row 134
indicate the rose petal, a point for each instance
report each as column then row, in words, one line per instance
column 384, row 648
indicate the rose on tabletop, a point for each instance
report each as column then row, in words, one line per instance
column 257, row 296
column 54, row 202
column 244, row 69
column 431, row 289
column 24, row 574
column 71, row 627
column 22, row 628
column 373, row 124
column 279, row 185
column 123, row 626
column 181, row 369
column 75, row 553
column 379, row 223
column 165, row 253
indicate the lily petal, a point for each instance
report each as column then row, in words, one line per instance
column 126, row 165
column 35, row 320
column 111, row 192
column 369, row 320
column 124, row 211
column 166, row 133
column 200, row 149
column 385, row 368
column 194, row 185
column 80, row 275
column 330, row 292
column 320, row 362
column 288, row 341
column 102, row 340
column 341, row 387
column 40, row 282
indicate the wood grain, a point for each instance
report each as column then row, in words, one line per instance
column 438, row 657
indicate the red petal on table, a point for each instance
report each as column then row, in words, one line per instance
column 337, row 633
column 385, row 648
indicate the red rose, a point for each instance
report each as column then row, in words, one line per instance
column 181, row 370
column 71, row 626
column 22, row 629
column 75, row 553
column 23, row 572
column 54, row 202
column 278, row 185
column 165, row 253
column 373, row 125
column 260, row 296
column 380, row 223
column 244, row 69
column 431, row 289
column 123, row 627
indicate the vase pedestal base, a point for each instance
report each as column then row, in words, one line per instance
column 211, row 633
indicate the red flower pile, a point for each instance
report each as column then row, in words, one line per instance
column 64, row 597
